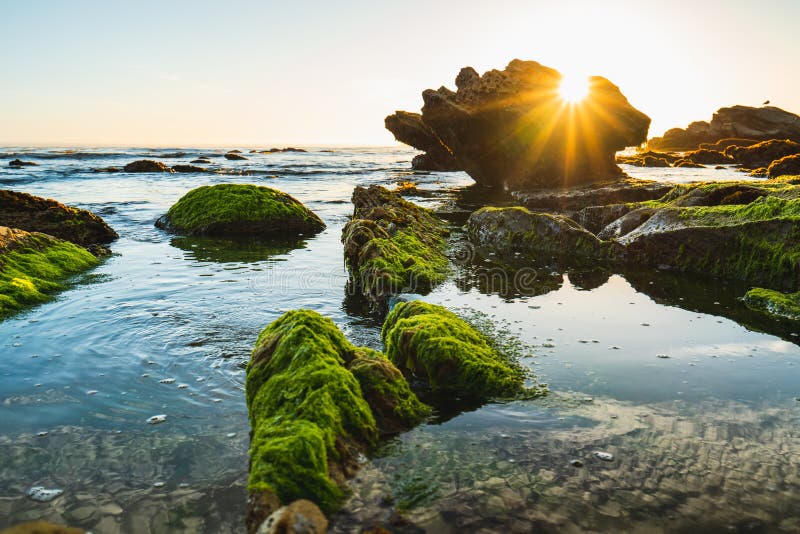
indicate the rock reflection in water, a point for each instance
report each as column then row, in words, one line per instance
column 677, row 467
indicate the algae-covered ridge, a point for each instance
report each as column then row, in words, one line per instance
column 393, row 246
column 239, row 209
column 34, row 266
column 309, row 411
column 432, row 344
column 786, row 305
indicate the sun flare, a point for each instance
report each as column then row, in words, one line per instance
column 574, row 88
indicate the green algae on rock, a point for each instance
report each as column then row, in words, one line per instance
column 34, row 266
column 785, row 305
column 36, row 214
column 239, row 210
column 309, row 393
column 392, row 246
column 432, row 344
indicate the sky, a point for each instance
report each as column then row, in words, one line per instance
column 248, row 73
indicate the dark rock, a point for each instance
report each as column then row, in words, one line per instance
column 788, row 165
column 573, row 199
column 201, row 160
column 410, row 129
column 704, row 156
column 20, row 163
column 735, row 122
column 595, row 218
column 279, row 150
column 763, row 154
column 146, row 165
column 722, row 144
column 188, row 168
column 41, row 527
column 300, row 517
column 687, row 164
column 511, row 129
column 649, row 159
column 234, row 156
column 626, row 223
column 36, row 214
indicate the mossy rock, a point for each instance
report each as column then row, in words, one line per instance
column 239, row 210
column 786, row 305
column 34, row 266
column 308, row 394
column 392, row 246
column 433, row 345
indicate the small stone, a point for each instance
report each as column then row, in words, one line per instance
column 605, row 456
column 230, row 435
column 576, row 463
column 158, row 484
column 92, row 392
column 156, row 419
column 663, row 356
column 41, row 494
column 183, row 386
column 167, row 380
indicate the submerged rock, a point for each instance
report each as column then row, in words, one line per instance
column 739, row 122
column 392, row 246
column 409, row 128
column 310, row 416
column 41, row 527
column 19, row 163
column 234, row 156
column 42, row 494
column 511, row 128
column 774, row 303
column 239, row 210
column 188, row 168
column 428, row 343
column 146, row 165
column 36, row 214
column 34, row 266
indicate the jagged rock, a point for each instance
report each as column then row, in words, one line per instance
column 240, row 210
column 36, row 214
column 788, row 165
column 19, row 163
column 511, row 129
column 734, row 122
column 146, row 165
column 763, row 154
column 410, row 129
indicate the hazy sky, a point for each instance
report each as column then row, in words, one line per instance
column 264, row 73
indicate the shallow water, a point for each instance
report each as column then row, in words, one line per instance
column 702, row 439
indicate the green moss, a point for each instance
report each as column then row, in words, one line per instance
column 239, row 209
column 761, row 209
column 433, row 344
column 774, row 302
column 37, row 266
column 309, row 414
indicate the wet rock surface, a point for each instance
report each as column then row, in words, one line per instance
column 511, row 129
column 146, row 165
column 35, row 214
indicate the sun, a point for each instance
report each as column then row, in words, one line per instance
column 573, row 88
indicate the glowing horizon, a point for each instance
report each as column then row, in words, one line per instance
column 91, row 73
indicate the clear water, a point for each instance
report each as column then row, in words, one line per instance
column 704, row 439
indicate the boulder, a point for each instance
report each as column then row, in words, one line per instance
column 705, row 156
column 392, row 246
column 188, row 168
column 410, row 129
column 19, row 163
column 742, row 122
column 434, row 346
column 787, row 165
column 687, row 164
column 239, row 210
column 649, row 159
column 36, row 214
column 34, row 266
column 146, row 165
column 573, row 199
column 234, row 156
column 763, row 154
column 511, row 129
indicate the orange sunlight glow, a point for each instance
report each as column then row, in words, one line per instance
column 574, row 88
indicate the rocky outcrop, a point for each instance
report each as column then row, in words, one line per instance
column 280, row 150
column 409, row 128
column 511, row 129
column 750, row 123
column 392, row 246
column 705, row 156
column 763, row 154
column 146, row 165
column 240, row 210
column 19, row 163
column 234, row 156
column 788, row 165
column 34, row 266
column 36, row 214
column 188, row 168
column 574, row 199
column 315, row 404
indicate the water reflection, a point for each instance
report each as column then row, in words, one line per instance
column 219, row 250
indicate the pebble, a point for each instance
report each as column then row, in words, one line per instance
column 605, row 456
column 156, row 419
column 167, row 380
column 41, row 494
column 92, row 392
column 576, row 463
column 183, row 386
column 663, row 356
column 230, row 435
column 158, row 484
column 645, row 324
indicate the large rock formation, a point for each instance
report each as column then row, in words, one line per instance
column 746, row 122
column 410, row 129
column 512, row 129
column 36, row 214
